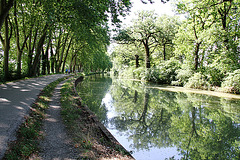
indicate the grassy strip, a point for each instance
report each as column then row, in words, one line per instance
column 87, row 136
column 29, row 133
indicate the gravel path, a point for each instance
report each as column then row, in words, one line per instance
column 56, row 144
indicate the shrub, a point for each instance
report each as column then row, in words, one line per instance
column 214, row 76
column 139, row 73
column 231, row 83
column 167, row 71
column 126, row 72
column 164, row 73
column 182, row 77
column 197, row 81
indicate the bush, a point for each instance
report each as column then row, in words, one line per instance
column 231, row 83
column 139, row 73
column 214, row 76
column 182, row 77
column 197, row 81
column 166, row 72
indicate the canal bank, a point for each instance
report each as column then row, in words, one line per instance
column 90, row 136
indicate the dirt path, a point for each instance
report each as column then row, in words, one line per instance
column 56, row 144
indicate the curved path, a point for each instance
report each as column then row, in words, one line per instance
column 15, row 101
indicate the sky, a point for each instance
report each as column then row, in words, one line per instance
column 137, row 5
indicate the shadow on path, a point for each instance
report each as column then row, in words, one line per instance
column 15, row 101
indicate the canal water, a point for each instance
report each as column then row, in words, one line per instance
column 158, row 124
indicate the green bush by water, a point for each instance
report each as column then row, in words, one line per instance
column 232, row 82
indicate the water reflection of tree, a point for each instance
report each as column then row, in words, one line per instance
column 200, row 126
column 139, row 117
column 92, row 90
column 204, row 132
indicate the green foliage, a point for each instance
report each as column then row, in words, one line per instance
column 163, row 74
column 198, row 81
column 182, row 76
column 214, row 75
column 52, row 35
column 232, row 82
column 167, row 71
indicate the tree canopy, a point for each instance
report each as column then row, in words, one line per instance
column 48, row 36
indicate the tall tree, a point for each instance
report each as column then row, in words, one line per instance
column 5, row 6
column 6, row 46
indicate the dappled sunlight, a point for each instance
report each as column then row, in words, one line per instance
column 3, row 100
column 20, row 108
column 15, row 101
column 51, row 120
column 25, row 90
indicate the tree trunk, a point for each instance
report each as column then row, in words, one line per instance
column 74, row 65
column 57, row 61
column 31, row 48
column 61, row 56
column 6, row 47
column 196, row 56
column 38, row 51
column 147, row 54
column 71, row 64
column 19, row 49
column 43, row 62
column 137, row 61
column 135, row 96
column 164, row 51
column 52, row 59
column 69, row 45
column 4, row 10
column 45, row 58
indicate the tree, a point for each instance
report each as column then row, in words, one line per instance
column 210, row 31
column 168, row 26
column 36, row 24
column 5, row 6
column 142, row 32
column 6, row 46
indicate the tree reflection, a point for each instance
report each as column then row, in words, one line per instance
column 139, row 117
column 92, row 90
column 200, row 126
column 203, row 131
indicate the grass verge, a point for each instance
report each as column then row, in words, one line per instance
column 29, row 132
column 86, row 134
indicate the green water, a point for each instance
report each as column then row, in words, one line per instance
column 159, row 124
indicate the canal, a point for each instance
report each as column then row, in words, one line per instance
column 154, row 123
